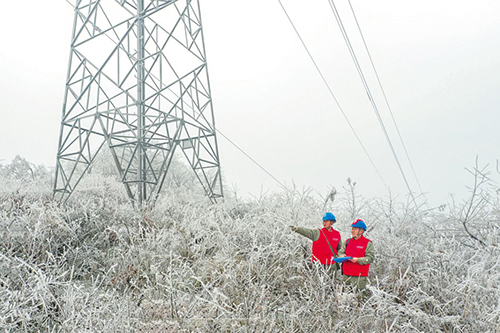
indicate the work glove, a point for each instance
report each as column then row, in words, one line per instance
column 294, row 228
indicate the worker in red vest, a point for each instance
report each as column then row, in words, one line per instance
column 326, row 241
column 360, row 248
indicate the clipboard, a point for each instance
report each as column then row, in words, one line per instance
column 341, row 259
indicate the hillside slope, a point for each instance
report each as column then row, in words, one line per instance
column 190, row 266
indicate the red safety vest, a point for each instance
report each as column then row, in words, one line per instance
column 320, row 249
column 356, row 249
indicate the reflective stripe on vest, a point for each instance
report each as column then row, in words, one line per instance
column 355, row 249
column 320, row 249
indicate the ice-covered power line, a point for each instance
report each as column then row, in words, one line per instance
column 332, row 94
column 385, row 96
column 251, row 159
column 368, row 92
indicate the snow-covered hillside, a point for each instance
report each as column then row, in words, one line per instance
column 189, row 266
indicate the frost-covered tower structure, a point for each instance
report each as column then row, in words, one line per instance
column 138, row 85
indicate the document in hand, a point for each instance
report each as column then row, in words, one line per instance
column 341, row 259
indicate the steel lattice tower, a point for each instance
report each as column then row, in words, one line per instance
column 137, row 83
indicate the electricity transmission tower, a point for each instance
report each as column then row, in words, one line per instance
column 137, row 83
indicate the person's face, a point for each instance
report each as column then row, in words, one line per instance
column 327, row 224
column 356, row 232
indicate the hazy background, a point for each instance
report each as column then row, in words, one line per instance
column 438, row 61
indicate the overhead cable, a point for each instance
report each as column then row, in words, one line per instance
column 242, row 151
column 368, row 92
column 385, row 97
column 332, row 94
column 254, row 161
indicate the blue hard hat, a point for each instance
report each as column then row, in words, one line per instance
column 329, row 217
column 359, row 224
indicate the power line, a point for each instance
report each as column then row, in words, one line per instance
column 368, row 92
column 385, row 97
column 242, row 151
column 254, row 161
column 332, row 94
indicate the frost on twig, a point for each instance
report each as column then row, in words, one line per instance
column 476, row 210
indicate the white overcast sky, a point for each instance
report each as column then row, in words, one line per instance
column 439, row 62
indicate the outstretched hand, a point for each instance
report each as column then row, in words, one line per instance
column 294, row 228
